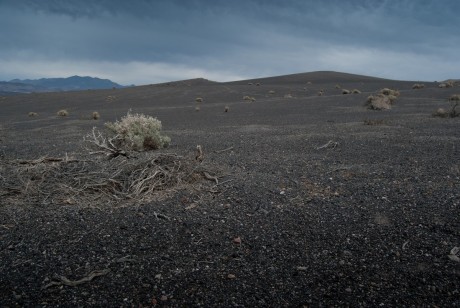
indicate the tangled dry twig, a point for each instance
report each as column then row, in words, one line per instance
column 143, row 178
column 105, row 145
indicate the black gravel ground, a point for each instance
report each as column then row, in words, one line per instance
column 315, row 206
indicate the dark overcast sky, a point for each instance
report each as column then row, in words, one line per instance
column 142, row 42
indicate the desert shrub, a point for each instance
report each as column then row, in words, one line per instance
column 271, row 92
column 320, row 93
column 249, row 98
column 199, row 100
column 62, row 113
column 379, row 102
column 446, row 84
column 138, row 132
column 418, row 86
column 226, row 109
column 337, row 86
column 382, row 100
column 95, row 115
column 387, row 91
column 33, row 114
column 288, row 95
column 258, row 84
column 345, row 91
column 454, row 98
column 440, row 113
column 356, row 91
column 249, row 83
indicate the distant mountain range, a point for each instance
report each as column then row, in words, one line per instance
column 74, row 83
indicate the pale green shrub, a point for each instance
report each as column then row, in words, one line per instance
column 138, row 132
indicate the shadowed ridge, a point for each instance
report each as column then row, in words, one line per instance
column 187, row 82
column 319, row 77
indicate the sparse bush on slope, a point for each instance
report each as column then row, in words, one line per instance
column 418, row 86
column 388, row 92
column 447, row 84
column 453, row 113
column 382, row 101
column 62, row 113
column 379, row 102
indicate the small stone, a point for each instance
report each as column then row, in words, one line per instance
column 237, row 240
column 163, row 298
column 301, row 268
column 158, row 276
column 348, row 290
column 231, row 276
column 282, row 192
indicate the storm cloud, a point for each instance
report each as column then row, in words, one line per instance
column 141, row 42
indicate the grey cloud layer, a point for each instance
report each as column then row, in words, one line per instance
column 246, row 36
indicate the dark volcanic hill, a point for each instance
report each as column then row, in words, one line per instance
column 67, row 84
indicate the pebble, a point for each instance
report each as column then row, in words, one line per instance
column 237, row 240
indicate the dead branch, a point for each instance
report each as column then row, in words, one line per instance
column 162, row 216
column 46, row 160
column 73, row 283
column 224, row 150
column 329, row 144
column 453, row 113
column 199, row 155
column 104, row 144
column 210, row 177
